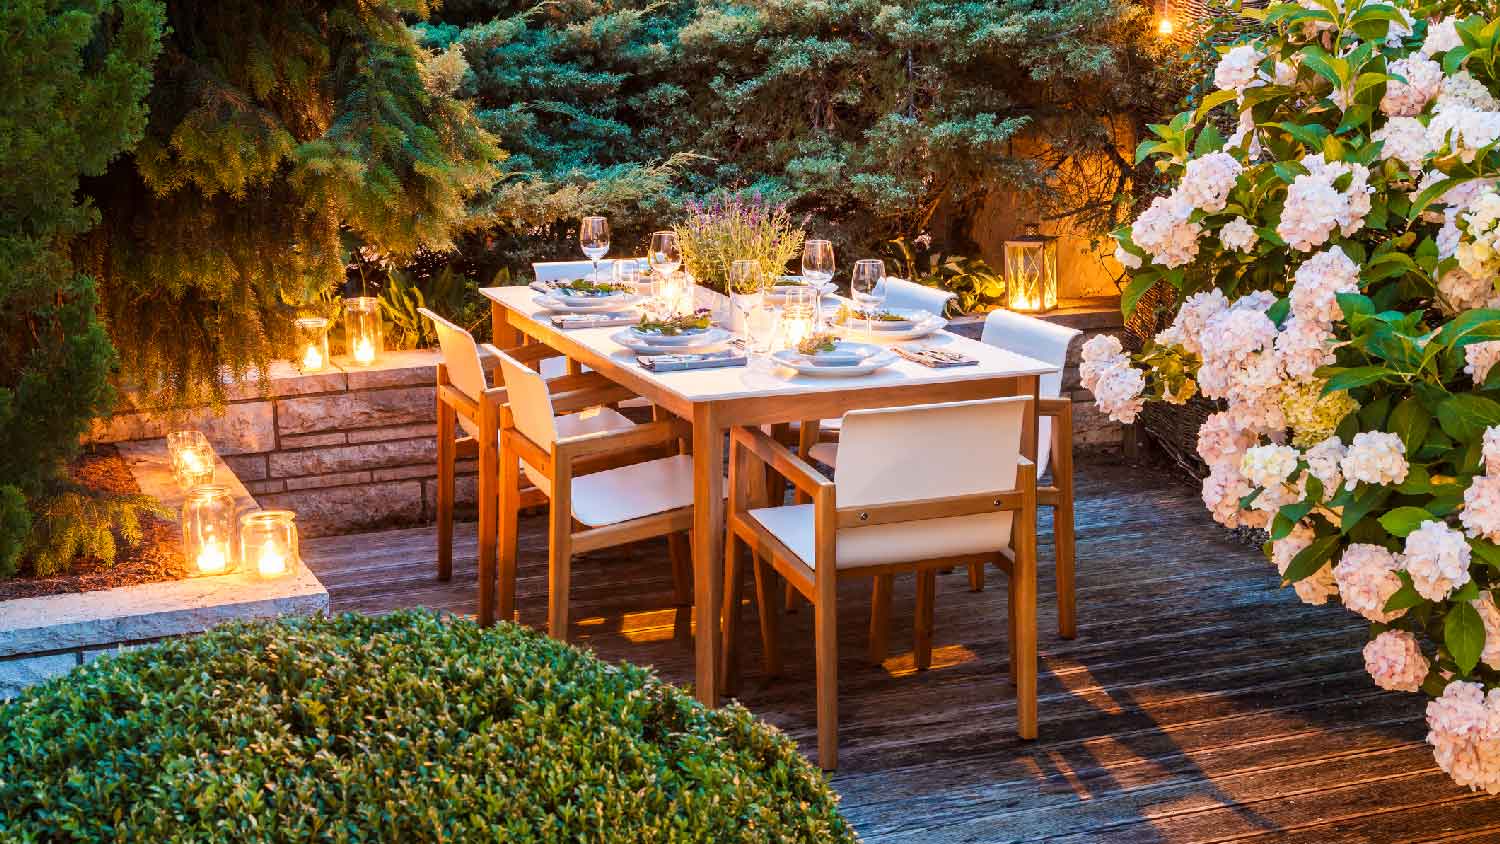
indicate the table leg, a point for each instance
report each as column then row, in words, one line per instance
column 708, row 548
column 1028, row 386
column 506, row 336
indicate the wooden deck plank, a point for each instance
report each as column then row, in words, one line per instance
column 1199, row 703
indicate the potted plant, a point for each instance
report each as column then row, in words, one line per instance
column 733, row 227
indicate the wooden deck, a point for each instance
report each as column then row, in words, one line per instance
column 1199, row 703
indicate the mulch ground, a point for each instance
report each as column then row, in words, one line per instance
column 157, row 557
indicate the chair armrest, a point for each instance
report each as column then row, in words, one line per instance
column 1054, row 407
column 489, row 353
column 772, row 453
column 581, row 381
column 610, row 442
column 593, row 397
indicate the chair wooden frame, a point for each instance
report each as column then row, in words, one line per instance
column 752, row 452
column 579, row 455
column 1058, row 495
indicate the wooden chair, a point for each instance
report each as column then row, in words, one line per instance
column 466, row 401
column 1048, row 342
column 921, row 488
column 637, row 497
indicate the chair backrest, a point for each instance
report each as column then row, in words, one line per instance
column 1035, row 338
column 569, row 270
column 890, row 455
column 461, row 357
column 530, row 401
column 900, row 293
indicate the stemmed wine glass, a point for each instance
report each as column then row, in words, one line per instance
column 867, row 286
column 665, row 257
column 593, row 237
column 817, row 268
column 747, row 285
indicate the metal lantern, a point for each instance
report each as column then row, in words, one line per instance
column 312, row 344
column 268, row 543
column 192, row 459
column 1031, row 272
column 208, row 530
column 362, row 332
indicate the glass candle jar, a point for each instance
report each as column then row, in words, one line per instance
column 208, row 530
column 362, row 331
column 312, row 344
column 268, row 543
column 192, row 459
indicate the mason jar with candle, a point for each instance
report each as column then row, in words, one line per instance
column 268, row 543
column 192, row 459
column 208, row 530
column 312, row 344
column 362, row 330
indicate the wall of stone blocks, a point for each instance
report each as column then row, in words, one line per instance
column 349, row 449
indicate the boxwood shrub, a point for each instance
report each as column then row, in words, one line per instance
column 407, row 727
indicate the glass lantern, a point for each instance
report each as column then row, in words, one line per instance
column 362, row 332
column 268, row 543
column 312, row 344
column 1031, row 272
column 192, row 458
column 208, row 530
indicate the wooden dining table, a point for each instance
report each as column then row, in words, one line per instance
column 715, row 400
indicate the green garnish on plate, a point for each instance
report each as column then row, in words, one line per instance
column 586, row 287
column 846, row 314
column 673, row 326
column 818, row 343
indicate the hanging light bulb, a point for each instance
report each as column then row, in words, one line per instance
column 1164, row 25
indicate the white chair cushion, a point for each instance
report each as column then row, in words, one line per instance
column 825, row 453
column 590, row 421
column 634, row 491
column 904, row 542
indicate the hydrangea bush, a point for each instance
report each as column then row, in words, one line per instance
column 1337, row 265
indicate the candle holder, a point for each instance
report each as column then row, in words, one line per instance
column 312, row 344
column 362, row 330
column 268, row 543
column 208, row 530
column 192, row 459
column 1031, row 272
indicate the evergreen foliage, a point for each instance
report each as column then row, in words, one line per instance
column 73, row 77
column 272, row 124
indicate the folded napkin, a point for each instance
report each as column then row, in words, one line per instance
column 709, row 360
column 595, row 320
column 934, row 358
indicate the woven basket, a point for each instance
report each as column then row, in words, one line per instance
column 1173, row 427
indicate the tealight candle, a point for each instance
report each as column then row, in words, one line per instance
column 208, row 530
column 364, row 351
column 312, row 343
column 269, row 538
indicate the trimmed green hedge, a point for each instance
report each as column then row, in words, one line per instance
column 408, row 727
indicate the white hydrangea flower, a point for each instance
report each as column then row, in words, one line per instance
column 1423, row 78
column 1286, row 74
column 1489, row 613
column 1221, row 438
column 1463, row 130
column 1317, row 587
column 1314, row 207
column 1441, row 37
column 1222, row 491
column 1405, row 140
column 1481, row 513
column 1245, row 128
column 1463, row 727
column 1129, row 260
column 1268, row 465
column 1318, row 281
column 1238, row 235
column 1163, row 230
column 1324, row 461
column 1374, row 457
column 1460, row 292
column 1238, row 69
column 1480, row 358
column 1491, row 450
column 1395, row 662
column 1312, row 416
column 1207, row 181
column 1302, row 347
column 1437, row 558
column 1366, row 575
column 1462, row 90
column 1106, row 372
column 1187, row 327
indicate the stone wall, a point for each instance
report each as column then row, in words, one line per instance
column 349, row 449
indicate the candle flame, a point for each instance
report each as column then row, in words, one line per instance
column 364, row 351
column 1164, row 26
column 272, row 562
column 312, row 361
column 192, row 462
column 797, row 330
column 212, row 559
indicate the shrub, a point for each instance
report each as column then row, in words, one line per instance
column 407, row 727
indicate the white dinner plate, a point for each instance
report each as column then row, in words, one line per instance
column 776, row 294
column 713, row 338
column 871, row 357
column 931, row 325
column 557, row 305
column 910, row 318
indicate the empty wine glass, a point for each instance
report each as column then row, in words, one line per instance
column 628, row 275
column 663, row 254
column 593, row 236
column 867, row 287
column 817, row 262
column 747, row 286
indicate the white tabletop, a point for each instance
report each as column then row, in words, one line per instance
column 701, row 385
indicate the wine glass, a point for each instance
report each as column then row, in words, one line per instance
column 867, row 287
column 747, row 286
column 663, row 254
column 593, row 236
column 817, row 262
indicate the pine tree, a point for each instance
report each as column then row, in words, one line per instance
column 273, row 125
column 73, row 79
